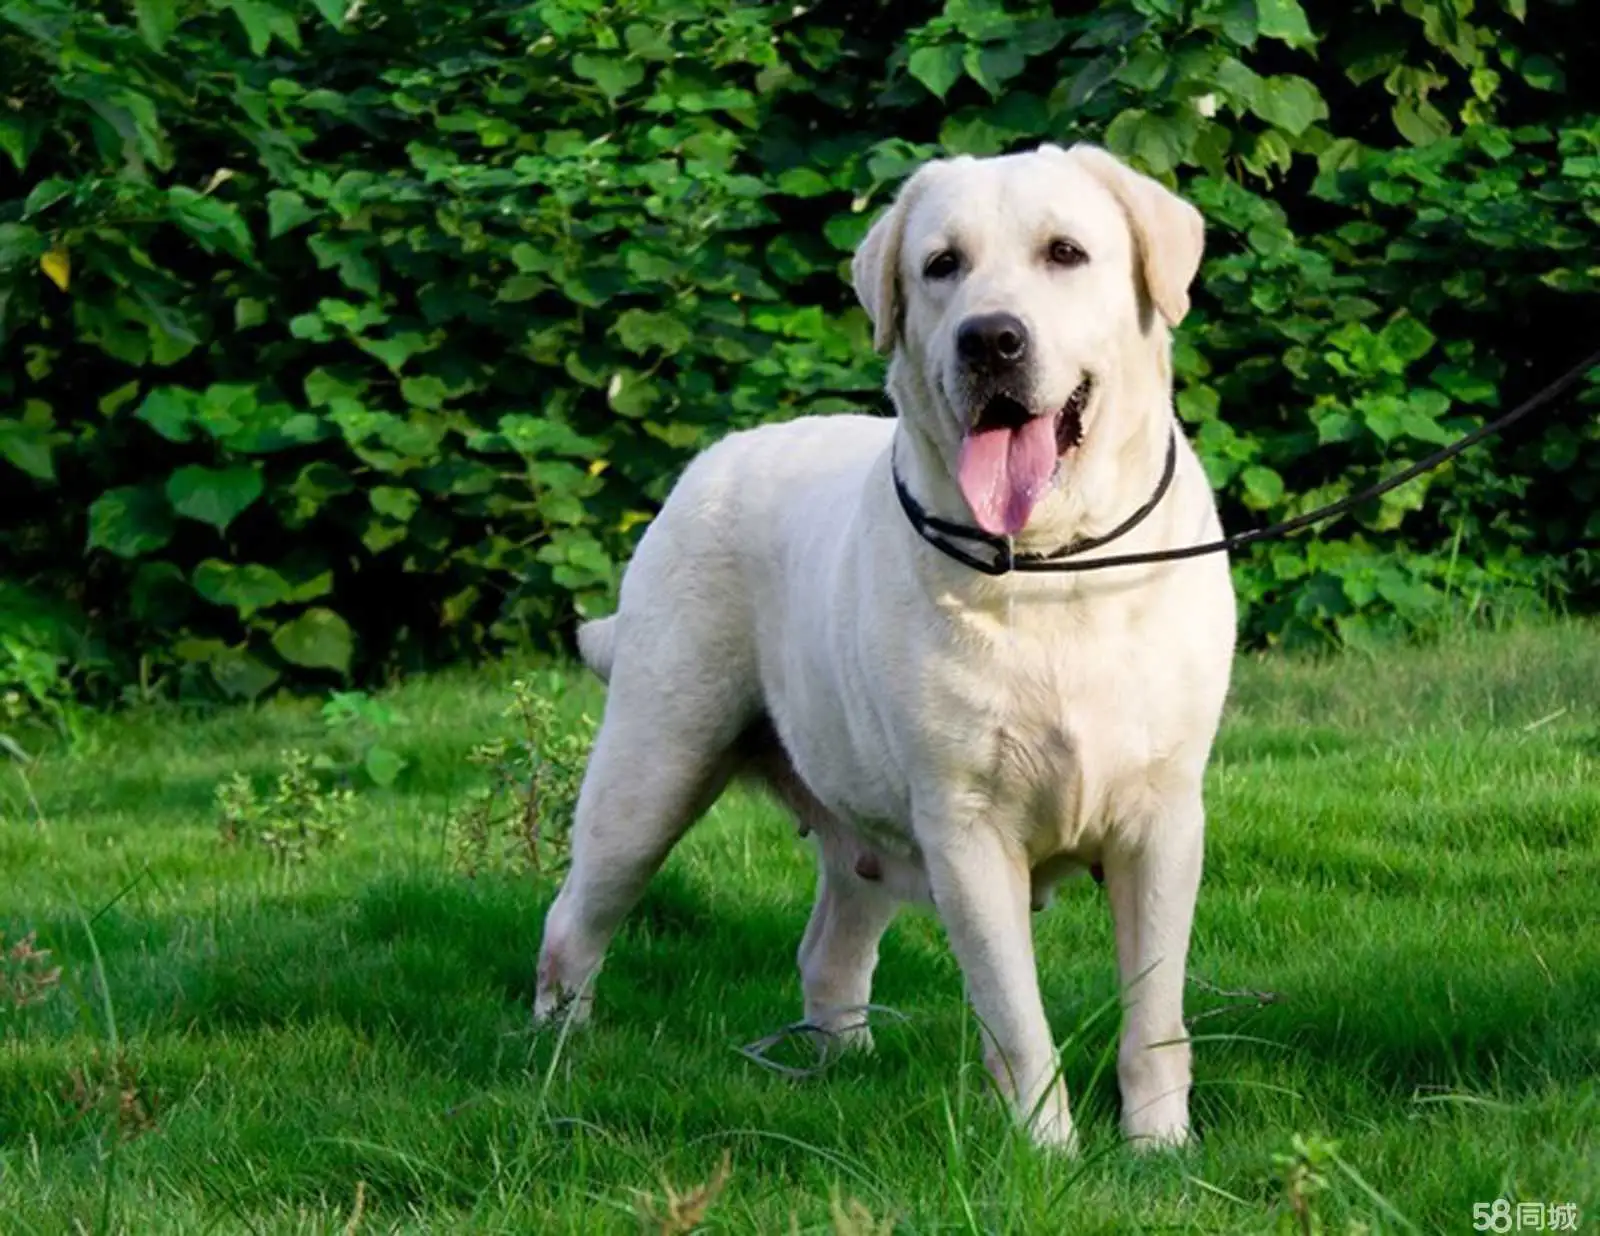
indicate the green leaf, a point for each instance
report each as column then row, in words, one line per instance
column 245, row 588
column 1420, row 123
column 317, row 639
column 383, row 765
column 215, row 496
column 310, row 326
column 216, row 225
column 286, row 210
column 648, row 42
column 262, row 20
column 398, row 504
column 1198, row 404
column 424, row 392
column 991, row 67
column 631, row 393
column 113, row 401
column 937, row 68
column 28, row 447
column 1424, row 408
column 541, row 436
column 396, row 351
column 802, row 182
column 44, row 195
column 614, row 75
column 333, row 12
column 1543, row 73
column 1238, row 83
column 322, row 387
column 1089, row 79
column 1241, row 22
column 20, row 246
column 232, row 414
column 1406, row 340
column 356, row 268
column 1284, row 20
column 1156, row 143
column 249, row 313
column 642, row 331
column 1291, row 103
column 157, row 20
column 130, row 521
column 241, row 675
column 19, row 137
column 1263, row 488
column 169, row 410
column 1384, row 415
column 318, row 484
column 1466, row 385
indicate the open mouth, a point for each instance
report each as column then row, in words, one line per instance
column 1006, row 413
column 1009, row 457
column 1069, row 421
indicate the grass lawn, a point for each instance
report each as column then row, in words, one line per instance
column 1404, row 855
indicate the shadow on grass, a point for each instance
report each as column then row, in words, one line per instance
column 444, row 968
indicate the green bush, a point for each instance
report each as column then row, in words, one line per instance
column 341, row 339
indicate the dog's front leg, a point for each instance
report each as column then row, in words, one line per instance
column 980, row 887
column 1152, row 885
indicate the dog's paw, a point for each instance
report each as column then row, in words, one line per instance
column 841, row 1032
column 1154, row 1136
column 1054, row 1132
column 560, row 1008
column 848, row 1038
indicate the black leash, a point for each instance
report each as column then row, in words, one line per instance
column 941, row 533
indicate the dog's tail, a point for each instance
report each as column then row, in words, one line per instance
column 597, row 645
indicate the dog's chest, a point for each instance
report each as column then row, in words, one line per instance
column 1054, row 742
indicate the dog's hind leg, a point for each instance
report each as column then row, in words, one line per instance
column 839, row 951
column 664, row 752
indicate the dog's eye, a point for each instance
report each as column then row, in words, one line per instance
column 1066, row 253
column 942, row 264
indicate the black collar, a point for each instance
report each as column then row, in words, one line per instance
column 940, row 533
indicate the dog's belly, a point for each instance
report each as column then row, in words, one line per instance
column 872, row 847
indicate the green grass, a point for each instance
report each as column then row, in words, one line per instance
column 1404, row 850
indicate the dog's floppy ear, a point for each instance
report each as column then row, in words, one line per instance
column 1168, row 233
column 875, row 269
column 875, row 272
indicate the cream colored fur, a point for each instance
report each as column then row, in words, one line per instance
column 967, row 740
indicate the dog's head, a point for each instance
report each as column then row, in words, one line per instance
column 1010, row 290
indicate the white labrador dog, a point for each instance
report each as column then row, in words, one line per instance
column 948, row 734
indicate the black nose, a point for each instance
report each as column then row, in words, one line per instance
column 992, row 341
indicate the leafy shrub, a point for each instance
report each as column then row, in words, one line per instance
column 341, row 339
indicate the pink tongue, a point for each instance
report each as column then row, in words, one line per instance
column 1003, row 473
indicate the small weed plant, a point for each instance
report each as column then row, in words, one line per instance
column 296, row 819
column 26, row 975
column 521, row 819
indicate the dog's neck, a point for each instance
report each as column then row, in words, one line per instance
column 1101, row 483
